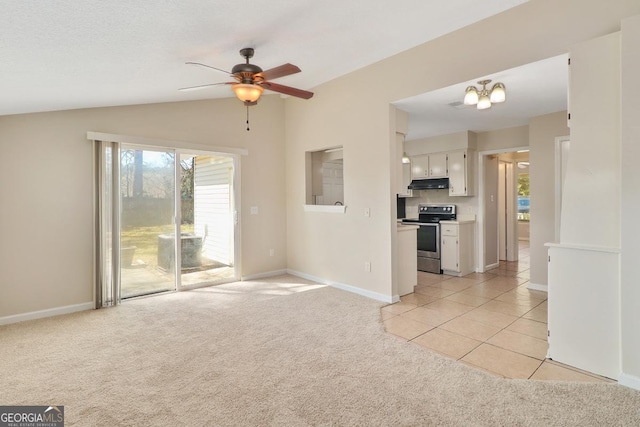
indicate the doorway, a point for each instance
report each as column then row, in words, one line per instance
column 500, row 213
column 166, row 220
column 508, row 212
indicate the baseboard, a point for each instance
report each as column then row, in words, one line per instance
column 491, row 266
column 349, row 288
column 46, row 313
column 629, row 381
column 537, row 287
column 265, row 275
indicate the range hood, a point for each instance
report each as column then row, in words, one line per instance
column 429, row 184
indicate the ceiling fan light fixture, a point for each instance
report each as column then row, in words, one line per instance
column 471, row 96
column 247, row 92
column 498, row 93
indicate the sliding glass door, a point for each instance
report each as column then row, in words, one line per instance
column 207, row 219
column 166, row 220
column 147, row 221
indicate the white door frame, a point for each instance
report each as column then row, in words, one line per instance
column 480, row 230
column 181, row 147
column 559, row 143
column 507, row 201
column 235, row 208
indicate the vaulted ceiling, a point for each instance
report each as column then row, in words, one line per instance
column 69, row 54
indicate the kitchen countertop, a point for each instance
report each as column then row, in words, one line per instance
column 470, row 219
column 407, row 227
column 459, row 221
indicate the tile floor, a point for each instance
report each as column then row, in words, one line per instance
column 489, row 321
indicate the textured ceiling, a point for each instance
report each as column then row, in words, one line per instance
column 68, row 54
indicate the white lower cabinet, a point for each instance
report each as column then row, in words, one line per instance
column 449, row 253
column 456, row 248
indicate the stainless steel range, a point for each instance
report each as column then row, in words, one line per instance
column 429, row 217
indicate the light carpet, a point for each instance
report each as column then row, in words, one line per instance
column 276, row 352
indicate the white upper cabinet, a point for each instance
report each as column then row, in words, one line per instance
column 460, row 173
column 456, row 165
column 429, row 166
column 438, row 165
column 420, row 167
column 404, row 191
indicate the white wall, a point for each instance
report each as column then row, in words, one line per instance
column 542, row 133
column 630, row 183
column 592, row 179
column 584, row 267
column 347, row 112
column 439, row 144
column 503, row 138
column 46, row 190
column 491, row 210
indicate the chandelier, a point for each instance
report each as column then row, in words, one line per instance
column 484, row 97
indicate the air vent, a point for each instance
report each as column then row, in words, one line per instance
column 457, row 104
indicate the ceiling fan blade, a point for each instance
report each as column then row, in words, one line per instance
column 208, row 66
column 184, row 89
column 287, row 90
column 281, row 71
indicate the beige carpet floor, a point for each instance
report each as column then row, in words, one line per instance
column 277, row 352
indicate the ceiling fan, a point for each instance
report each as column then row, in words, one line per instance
column 251, row 80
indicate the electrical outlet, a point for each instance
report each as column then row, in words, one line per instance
column 254, row 210
column 272, row 252
column 367, row 266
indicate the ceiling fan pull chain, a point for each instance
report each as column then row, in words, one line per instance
column 248, row 118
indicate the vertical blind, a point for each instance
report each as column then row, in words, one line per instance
column 107, row 238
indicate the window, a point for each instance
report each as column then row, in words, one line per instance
column 523, row 197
